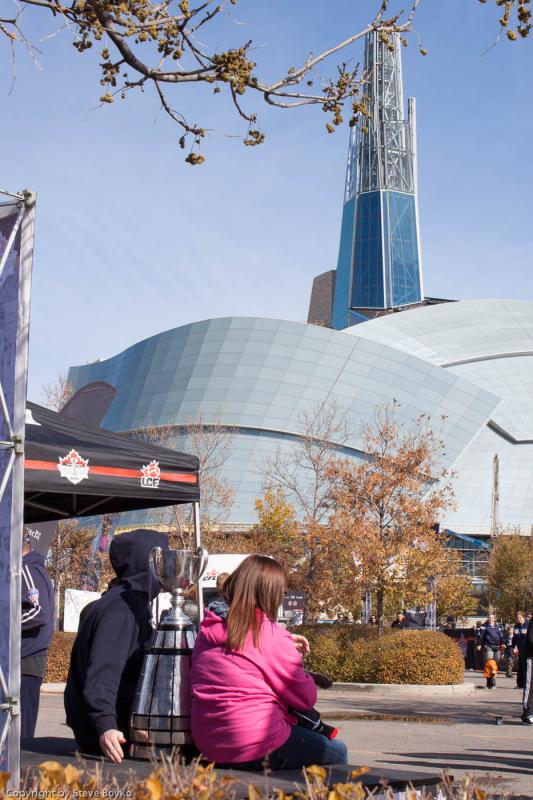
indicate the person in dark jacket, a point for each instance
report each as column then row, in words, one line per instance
column 400, row 621
column 491, row 639
column 509, row 653
column 37, row 619
column 518, row 644
column 527, row 702
column 108, row 651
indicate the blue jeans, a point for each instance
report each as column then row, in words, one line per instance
column 302, row 749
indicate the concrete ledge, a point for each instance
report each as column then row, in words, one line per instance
column 405, row 689
column 53, row 688
column 381, row 688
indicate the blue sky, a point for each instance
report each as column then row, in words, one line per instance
column 131, row 240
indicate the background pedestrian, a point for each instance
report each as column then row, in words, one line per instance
column 37, row 619
column 518, row 644
column 491, row 640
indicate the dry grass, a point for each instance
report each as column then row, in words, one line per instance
column 172, row 780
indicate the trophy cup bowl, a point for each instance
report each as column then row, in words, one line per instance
column 160, row 718
column 177, row 571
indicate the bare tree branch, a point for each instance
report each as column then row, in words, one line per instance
column 156, row 42
column 212, row 444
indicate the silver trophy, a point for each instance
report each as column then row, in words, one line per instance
column 161, row 715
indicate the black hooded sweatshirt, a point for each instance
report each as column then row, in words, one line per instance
column 108, row 651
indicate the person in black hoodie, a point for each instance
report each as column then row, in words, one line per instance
column 37, row 618
column 108, row 651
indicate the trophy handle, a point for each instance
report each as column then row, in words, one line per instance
column 204, row 557
column 154, row 552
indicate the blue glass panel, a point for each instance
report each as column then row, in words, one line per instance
column 341, row 298
column 405, row 267
column 368, row 267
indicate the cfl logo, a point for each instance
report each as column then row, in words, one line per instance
column 149, row 483
column 150, row 475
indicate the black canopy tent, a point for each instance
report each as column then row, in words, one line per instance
column 73, row 470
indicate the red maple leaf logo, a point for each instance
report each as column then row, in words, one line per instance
column 151, row 470
column 73, row 467
column 74, row 459
column 150, row 475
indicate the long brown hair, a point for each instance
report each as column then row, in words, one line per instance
column 258, row 582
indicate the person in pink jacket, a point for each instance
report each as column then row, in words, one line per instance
column 246, row 675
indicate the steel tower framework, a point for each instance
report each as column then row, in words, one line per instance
column 379, row 264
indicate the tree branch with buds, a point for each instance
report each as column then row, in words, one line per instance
column 156, row 43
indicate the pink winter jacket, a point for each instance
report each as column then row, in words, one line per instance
column 240, row 699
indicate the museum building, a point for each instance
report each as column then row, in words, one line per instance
column 467, row 365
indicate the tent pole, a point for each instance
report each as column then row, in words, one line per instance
column 198, row 543
column 12, row 237
column 25, row 221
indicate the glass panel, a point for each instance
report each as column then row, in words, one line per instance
column 404, row 269
column 368, row 258
column 344, row 268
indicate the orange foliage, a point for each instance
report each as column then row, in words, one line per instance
column 386, row 508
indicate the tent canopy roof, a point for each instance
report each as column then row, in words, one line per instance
column 74, row 470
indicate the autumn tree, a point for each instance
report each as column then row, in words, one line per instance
column 211, row 443
column 453, row 587
column 302, row 469
column 300, row 475
column 277, row 533
column 438, row 576
column 510, row 574
column 386, row 507
column 148, row 44
column 316, row 562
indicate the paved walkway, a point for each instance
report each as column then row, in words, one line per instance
column 437, row 733
column 426, row 734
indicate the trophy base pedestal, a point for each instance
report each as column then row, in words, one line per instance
column 180, row 752
column 161, row 717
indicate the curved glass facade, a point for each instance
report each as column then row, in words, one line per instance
column 490, row 344
column 256, row 376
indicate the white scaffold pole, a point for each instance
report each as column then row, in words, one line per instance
column 198, row 543
column 15, row 283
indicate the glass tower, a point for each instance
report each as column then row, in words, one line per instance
column 379, row 264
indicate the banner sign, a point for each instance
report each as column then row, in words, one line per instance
column 294, row 601
column 40, row 535
column 217, row 563
column 16, row 248
column 75, row 602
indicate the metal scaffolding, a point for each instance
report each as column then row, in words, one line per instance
column 380, row 264
column 16, row 250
